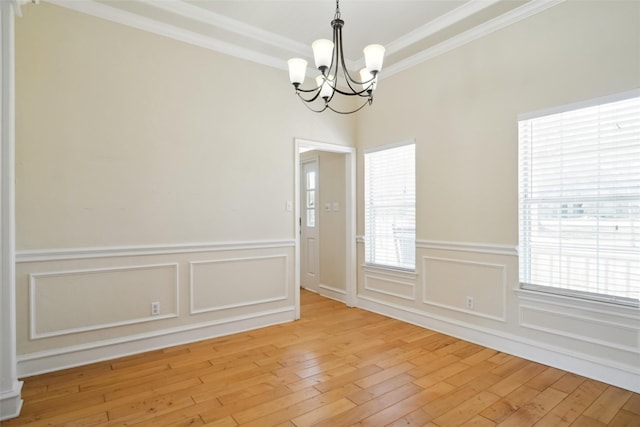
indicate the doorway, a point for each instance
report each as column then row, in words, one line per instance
column 335, row 209
column 309, row 223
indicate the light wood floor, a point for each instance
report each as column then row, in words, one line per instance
column 337, row 366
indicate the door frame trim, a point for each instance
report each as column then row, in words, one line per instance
column 350, row 215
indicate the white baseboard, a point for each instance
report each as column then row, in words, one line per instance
column 11, row 401
column 333, row 293
column 623, row 376
column 68, row 357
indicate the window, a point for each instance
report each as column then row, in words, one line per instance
column 579, row 195
column 390, row 207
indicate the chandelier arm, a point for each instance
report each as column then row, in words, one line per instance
column 308, row 100
column 308, row 105
column 364, row 104
column 347, row 77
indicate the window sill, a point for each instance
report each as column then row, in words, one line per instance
column 381, row 269
column 576, row 299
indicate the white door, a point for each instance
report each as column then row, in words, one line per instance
column 309, row 247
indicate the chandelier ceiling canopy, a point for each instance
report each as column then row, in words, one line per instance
column 334, row 77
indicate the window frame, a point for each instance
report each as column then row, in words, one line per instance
column 549, row 289
column 367, row 236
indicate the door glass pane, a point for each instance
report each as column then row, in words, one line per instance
column 311, row 180
column 311, row 218
column 311, row 199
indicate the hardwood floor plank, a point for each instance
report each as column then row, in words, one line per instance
column 535, row 409
column 299, row 409
column 462, row 413
column 408, row 405
column 608, row 404
column 336, row 366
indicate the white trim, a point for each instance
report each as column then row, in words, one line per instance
column 580, row 104
column 367, row 286
column 349, row 211
column 103, row 11
column 332, row 289
column 33, row 320
column 121, row 251
column 488, row 248
column 432, row 27
column 84, row 354
column 618, row 374
column 585, row 319
column 568, row 302
column 525, row 11
column 10, row 387
column 410, row 141
column 192, row 310
column 502, row 267
column 208, row 17
column 331, row 292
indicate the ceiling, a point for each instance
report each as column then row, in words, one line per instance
column 272, row 31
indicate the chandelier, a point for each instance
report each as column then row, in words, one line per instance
column 334, row 76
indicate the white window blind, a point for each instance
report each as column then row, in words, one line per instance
column 580, row 202
column 390, row 207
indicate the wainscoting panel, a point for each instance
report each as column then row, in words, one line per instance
column 391, row 283
column 82, row 305
column 473, row 287
column 237, row 282
column 66, row 302
column 606, row 328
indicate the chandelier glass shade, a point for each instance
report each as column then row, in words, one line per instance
column 334, row 76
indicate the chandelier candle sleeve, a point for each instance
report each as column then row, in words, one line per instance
column 322, row 53
column 297, row 70
column 335, row 78
column 373, row 57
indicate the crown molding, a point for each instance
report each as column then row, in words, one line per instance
column 208, row 17
column 439, row 24
column 186, row 10
column 120, row 16
column 525, row 11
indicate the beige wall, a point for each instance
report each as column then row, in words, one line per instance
column 462, row 109
column 332, row 221
column 148, row 170
column 139, row 148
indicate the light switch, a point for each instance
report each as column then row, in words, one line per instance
column 327, row 207
column 336, row 206
column 289, row 206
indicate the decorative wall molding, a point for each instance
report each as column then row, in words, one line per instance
column 618, row 374
column 371, row 279
column 238, row 260
column 120, row 16
column 488, row 248
column 564, row 302
column 333, row 293
column 33, row 311
column 23, row 256
column 432, row 27
column 562, row 328
column 10, row 387
column 481, row 264
column 525, row 11
column 68, row 357
column 296, row 48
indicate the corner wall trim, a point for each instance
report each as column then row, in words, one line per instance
column 620, row 375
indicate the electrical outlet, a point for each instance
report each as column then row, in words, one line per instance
column 155, row 308
column 470, row 303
